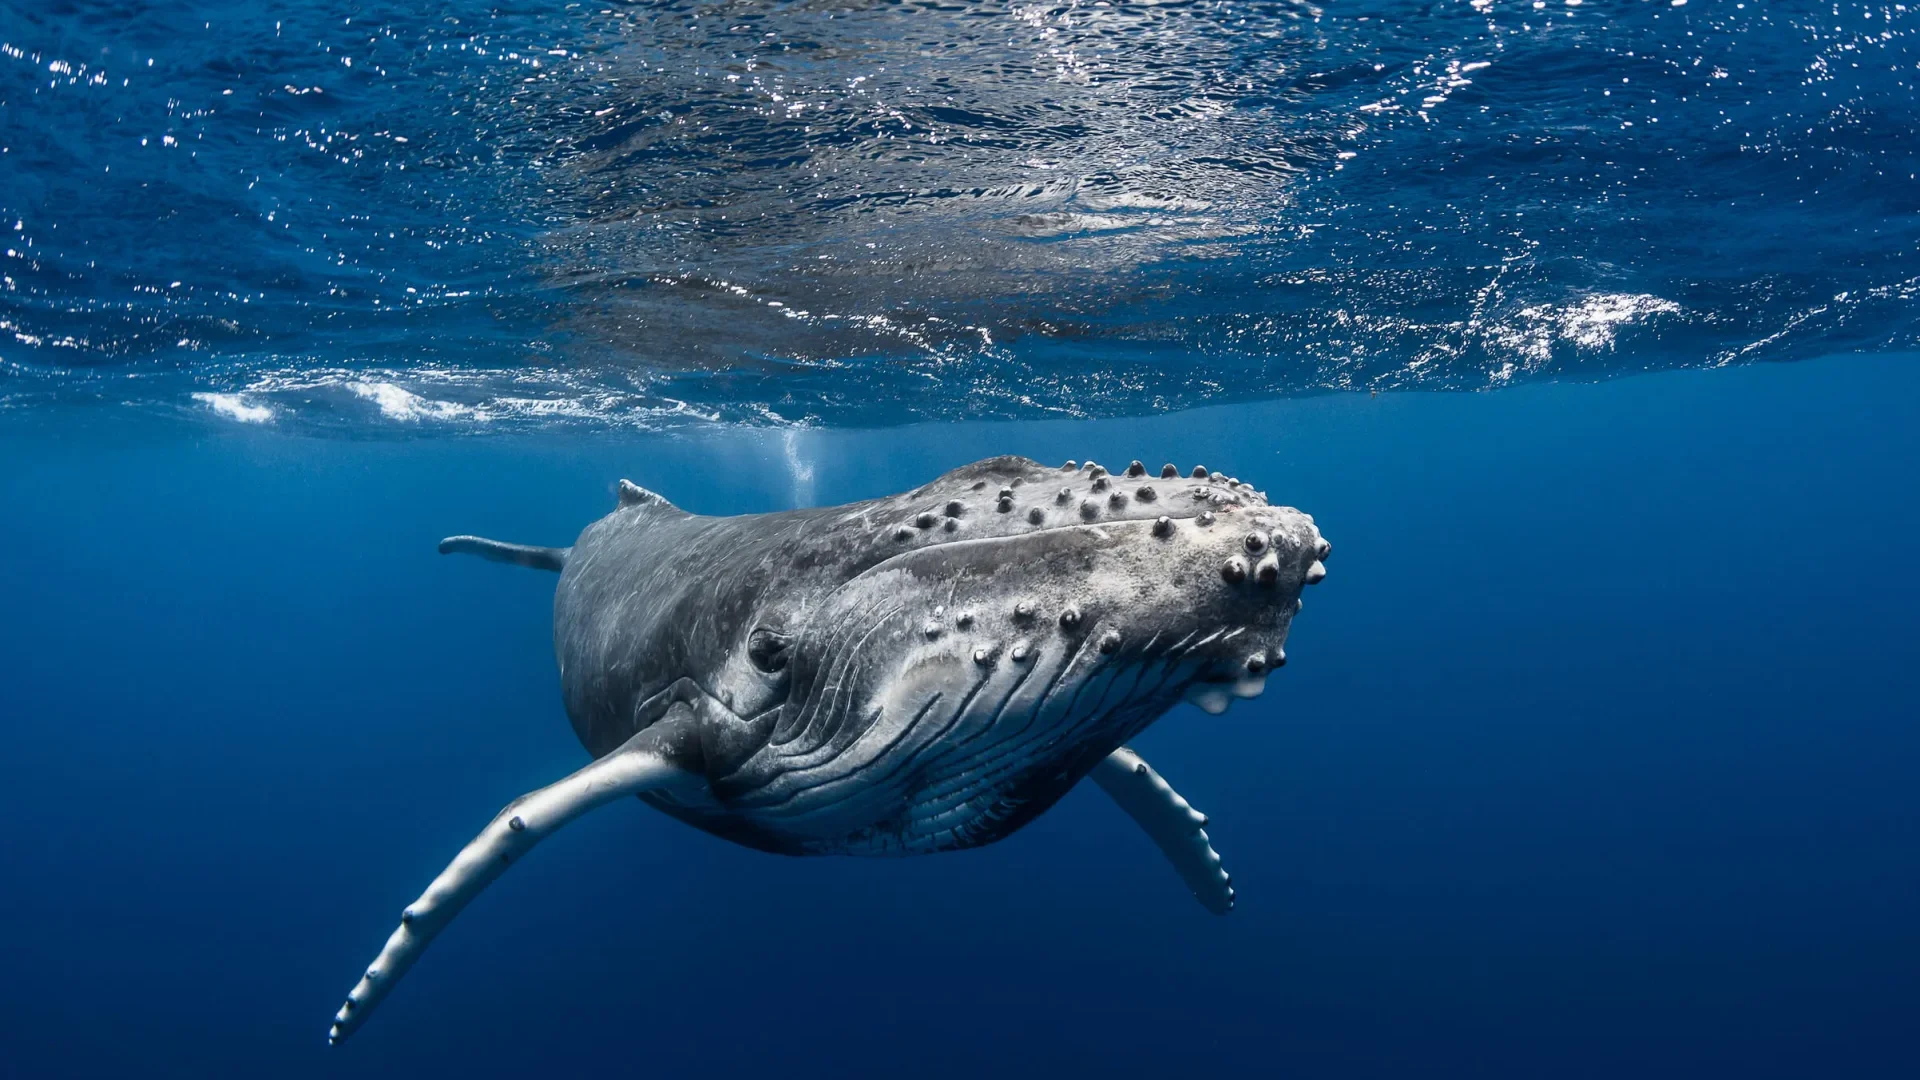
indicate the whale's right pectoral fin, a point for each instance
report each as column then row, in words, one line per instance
column 664, row 755
column 1171, row 822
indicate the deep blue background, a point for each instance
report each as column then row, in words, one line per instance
column 1596, row 757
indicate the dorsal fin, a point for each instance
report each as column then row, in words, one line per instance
column 632, row 494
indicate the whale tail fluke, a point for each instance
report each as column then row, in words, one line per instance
column 539, row 558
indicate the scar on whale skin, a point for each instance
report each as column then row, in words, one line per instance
column 919, row 673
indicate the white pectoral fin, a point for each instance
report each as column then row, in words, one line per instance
column 1171, row 822
column 645, row 762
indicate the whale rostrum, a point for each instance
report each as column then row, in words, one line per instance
column 919, row 673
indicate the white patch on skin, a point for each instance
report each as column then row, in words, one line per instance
column 1212, row 699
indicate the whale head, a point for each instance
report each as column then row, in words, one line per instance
column 1006, row 563
column 992, row 635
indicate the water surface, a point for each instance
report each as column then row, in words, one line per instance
column 836, row 212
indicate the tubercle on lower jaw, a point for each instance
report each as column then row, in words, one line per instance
column 1019, row 629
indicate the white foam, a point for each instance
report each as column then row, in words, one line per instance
column 399, row 403
column 236, row 407
column 1591, row 324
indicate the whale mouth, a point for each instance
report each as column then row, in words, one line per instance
column 938, row 722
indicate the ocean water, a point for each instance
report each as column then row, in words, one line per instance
column 1586, row 331
column 858, row 213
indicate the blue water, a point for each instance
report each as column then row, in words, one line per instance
column 1595, row 757
column 1596, row 754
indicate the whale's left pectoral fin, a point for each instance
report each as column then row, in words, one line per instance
column 1171, row 822
column 666, row 754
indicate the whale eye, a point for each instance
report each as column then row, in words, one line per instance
column 768, row 649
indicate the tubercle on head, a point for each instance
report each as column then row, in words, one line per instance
column 1263, row 552
column 1230, row 587
column 1099, row 496
column 1254, row 563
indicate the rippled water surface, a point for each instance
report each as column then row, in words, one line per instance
column 648, row 213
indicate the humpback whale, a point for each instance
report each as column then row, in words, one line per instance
column 919, row 673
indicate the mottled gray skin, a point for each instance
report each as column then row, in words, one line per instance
column 927, row 671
